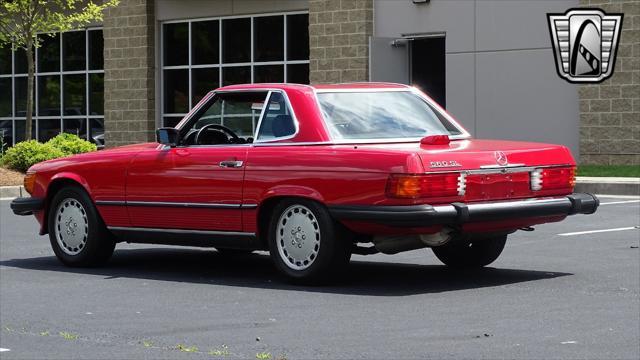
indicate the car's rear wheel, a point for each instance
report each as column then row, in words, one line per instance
column 77, row 233
column 305, row 243
column 463, row 252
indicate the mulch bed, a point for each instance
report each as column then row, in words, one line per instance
column 10, row 177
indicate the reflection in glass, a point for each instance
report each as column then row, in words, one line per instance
column 49, row 53
column 298, row 37
column 236, row 40
column 6, row 134
column 74, row 95
column 380, row 115
column 236, row 75
column 20, row 92
column 298, row 73
column 96, row 94
column 268, row 38
column 268, row 73
column 205, row 39
column 5, row 97
column 76, row 127
column 203, row 81
column 96, row 47
column 73, row 50
column 96, row 131
column 49, row 95
column 48, row 128
column 176, row 91
column 176, row 44
column 20, row 61
column 171, row 121
column 19, row 129
column 5, row 59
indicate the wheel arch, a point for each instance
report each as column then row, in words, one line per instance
column 268, row 203
column 58, row 182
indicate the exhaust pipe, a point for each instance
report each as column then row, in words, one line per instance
column 395, row 244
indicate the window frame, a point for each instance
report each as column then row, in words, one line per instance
column 219, row 65
column 60, row 73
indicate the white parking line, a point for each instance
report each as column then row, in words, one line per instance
column 618, row 196
column 599, row 231
column 3, row 349
column 620, row 202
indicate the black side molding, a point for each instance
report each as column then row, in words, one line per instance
column 26, row 206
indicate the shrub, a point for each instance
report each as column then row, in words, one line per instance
column 24, row 154
column 71, row 144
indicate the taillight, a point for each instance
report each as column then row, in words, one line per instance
column 29, row 181
column 426, row 185
column 553, row 178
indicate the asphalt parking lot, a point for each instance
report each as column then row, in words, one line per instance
column 574, row 295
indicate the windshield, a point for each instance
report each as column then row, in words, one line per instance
column 381, row 115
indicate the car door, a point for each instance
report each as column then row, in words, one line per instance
column 196, row 186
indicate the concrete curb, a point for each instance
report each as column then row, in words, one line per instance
column 11, row 192
column 608, row 185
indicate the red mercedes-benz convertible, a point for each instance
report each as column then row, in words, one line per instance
column 311, row 173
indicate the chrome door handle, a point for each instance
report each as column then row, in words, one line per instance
column 231, row 163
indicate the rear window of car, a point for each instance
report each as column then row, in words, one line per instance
column 381, row 115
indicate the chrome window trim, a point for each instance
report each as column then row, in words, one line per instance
column 442, row 112
column 296, row 124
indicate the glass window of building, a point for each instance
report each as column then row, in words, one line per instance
column 68, row 88
column 200, row 55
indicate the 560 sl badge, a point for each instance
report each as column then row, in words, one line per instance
column 442, row 164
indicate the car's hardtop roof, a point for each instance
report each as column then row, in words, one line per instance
column 301, row 87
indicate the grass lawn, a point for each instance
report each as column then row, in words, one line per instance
column 609, row 170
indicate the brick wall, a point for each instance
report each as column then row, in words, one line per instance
column 610, row 111
column 129, row 73
column 339, row 33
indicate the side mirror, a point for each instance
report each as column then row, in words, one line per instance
column 167, row 136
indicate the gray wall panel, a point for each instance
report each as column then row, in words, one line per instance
column 460, row 89
column 515, row 24
column 520, row 97
column 393, row 18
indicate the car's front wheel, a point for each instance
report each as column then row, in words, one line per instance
column 77, row 234
column 305, row 243
column 463, row 252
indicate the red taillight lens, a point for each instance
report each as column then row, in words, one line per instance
column 553, row 178
column 425, row 186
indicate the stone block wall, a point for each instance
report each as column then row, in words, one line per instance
column 610, row 111
column 129, row 73
column 339, row 32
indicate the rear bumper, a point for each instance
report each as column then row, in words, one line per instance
column 461, row 213
column 26, row 206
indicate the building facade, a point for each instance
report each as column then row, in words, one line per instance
column 490, row 63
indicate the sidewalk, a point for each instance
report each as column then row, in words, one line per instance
column 608, row 185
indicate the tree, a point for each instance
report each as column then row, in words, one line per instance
column 22, row 21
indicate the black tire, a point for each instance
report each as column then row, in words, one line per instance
column 99, row 243
column 461, row 252
column 333, row 252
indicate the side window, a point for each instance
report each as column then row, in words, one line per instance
column 236, row 111
column 277, row 121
